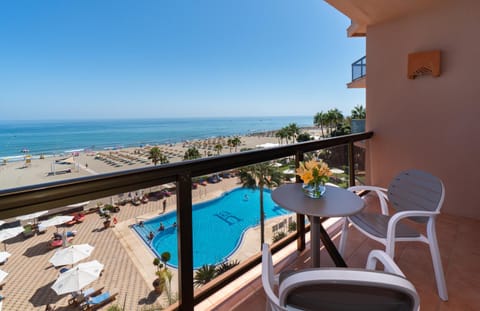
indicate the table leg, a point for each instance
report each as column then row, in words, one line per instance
column 330, row 247
column 315, row 240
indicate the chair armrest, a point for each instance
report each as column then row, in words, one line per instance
column 389, row 265
column 392, row 223
column 379, row 191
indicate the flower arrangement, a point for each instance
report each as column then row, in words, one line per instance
column 314, row 175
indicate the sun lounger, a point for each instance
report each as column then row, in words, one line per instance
column 94, row 303
column 79, row 298
column 58, row 243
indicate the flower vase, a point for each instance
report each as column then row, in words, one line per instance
column 314, row 190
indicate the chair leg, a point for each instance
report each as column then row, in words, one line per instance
column 343, row 238
column 436, row 260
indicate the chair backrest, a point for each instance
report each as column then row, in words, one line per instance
column 336, row 289
column 416, row 190
column 268, row 278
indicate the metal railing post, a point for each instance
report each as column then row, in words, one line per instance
column 300, row 217
column 185, row 242
column 351, row 165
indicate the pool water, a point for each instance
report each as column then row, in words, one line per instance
column 218, row 226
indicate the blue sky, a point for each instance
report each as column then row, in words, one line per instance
column 133, row 59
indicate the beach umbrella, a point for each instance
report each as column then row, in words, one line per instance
column 78, row 277
column 9, row 233
column 2, row 222
column 55, row 221
column 32, row 216
column 71, row 254
column 337, row 171
column 3, row 275
column 4, row 256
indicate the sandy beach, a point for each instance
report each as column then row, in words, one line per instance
column 18, row 173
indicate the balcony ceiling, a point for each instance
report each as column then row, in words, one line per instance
column 364, row 13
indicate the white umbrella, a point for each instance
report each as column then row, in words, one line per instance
column 32, row 215
column 71, row 254
column 9, row 233
column 4, row 256
column 78, row 277
column 2, row 222
column 55, row 221
column 336, row 171
column 3, row 275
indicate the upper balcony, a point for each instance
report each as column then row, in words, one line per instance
column 359, row 73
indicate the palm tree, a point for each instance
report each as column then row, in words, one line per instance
column 204, row 275
column 236, row 141
column 259, row 176
column 218, row 148
column 319, row 120
column 156, row 155
column 358, row 112
column 293, row 130
column 281, row 134
column 192, row 153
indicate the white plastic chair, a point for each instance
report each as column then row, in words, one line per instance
column 340, row 288
column 415, row 195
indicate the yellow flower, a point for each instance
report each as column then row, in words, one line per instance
column 307, row 177
column 313, row 171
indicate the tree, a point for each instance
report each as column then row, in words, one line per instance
column 156, row 155
column 320, row 119
column 204, row 275
column 292, row 130
column 281, row 134
column 358, row 112
column 218, row 148
column 236, row 141
column 259, row 176
column 303, row 137
column 192, row 153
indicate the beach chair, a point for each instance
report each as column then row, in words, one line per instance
column 336, row 289
column 54, row 243
column 81, row 297
column 96, row 302
column 414, row 195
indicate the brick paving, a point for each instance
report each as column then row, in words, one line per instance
column 31, row 275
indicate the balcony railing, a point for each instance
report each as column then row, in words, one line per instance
column 24, row 200
column 359, row 68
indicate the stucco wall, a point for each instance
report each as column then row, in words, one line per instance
column 428, row 123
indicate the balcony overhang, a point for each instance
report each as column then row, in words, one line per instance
column 364, row 13
column 359, row 83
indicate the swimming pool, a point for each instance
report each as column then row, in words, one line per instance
column 218, row 226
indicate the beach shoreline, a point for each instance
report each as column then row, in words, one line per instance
column 80, row 163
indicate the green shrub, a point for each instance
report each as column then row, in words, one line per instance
column 225, row 266
column 278, row 236
column 292, row 226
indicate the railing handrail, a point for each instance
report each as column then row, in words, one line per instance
column 28, row 199
column 361, row 62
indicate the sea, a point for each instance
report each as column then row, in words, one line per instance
column 54, row 137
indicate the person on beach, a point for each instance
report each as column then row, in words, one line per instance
column 164, row 205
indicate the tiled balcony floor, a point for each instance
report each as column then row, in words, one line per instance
column 460, row 250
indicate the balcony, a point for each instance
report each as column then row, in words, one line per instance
column 28, row 285
column 359, row 74
column 127, row 271
column 458, row 246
